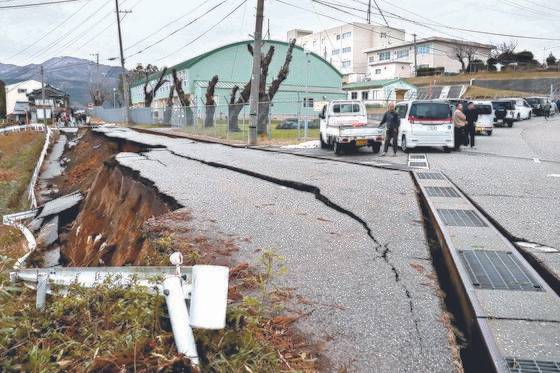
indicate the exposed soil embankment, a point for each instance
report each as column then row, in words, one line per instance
column 108, row 230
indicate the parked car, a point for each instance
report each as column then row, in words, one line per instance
column 522, row 109
column 553, row 108
column 486, row 115
column 537, row 104
column 344, row 124
column 504, row 112
column 292, row 123
column 425, row 123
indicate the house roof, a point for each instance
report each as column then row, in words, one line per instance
column 192, row 61
column 434, row 39
column 50, row 90
column 373, row 84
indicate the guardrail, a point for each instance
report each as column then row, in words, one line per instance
column 27, row 127
column 13, row 221
column 205, row 285
column 31, row 189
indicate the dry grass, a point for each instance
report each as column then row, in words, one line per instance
column 474, row 92
column 486, row 75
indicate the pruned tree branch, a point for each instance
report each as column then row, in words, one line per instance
column 210, row 90
column 283, row 73
column 149, row 94
column 184, row 99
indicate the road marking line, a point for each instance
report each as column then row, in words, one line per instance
column 553, row 175
column 537, row 160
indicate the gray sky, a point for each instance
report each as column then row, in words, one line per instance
column 84, row 32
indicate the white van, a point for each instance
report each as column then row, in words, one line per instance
column 344, row 124
column 485, row 122
column 425, row 123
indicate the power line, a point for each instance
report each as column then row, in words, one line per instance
column 20, row 6
column 207, row 30
column 178, row 29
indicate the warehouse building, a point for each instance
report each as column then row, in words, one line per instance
column 311, row 78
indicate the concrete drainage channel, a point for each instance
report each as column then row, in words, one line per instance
column 496, row 289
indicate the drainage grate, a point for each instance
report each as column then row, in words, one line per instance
column 418, row 164
column 430, row 175
column 532, row 366
column 499, row 270
column 441, row 192
column 461, row 218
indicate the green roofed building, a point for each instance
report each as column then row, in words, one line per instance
column 233, row 63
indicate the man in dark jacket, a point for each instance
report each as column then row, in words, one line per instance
column 392, row 123
column 472, row 117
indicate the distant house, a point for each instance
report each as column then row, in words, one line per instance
column 56, row 101
column 433, row 52
column 380, row 92
column 16, row 98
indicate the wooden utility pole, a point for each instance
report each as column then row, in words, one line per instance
column 369, row 12
column 43, row 95
column 415, row 56
column 124, row 78
column 256, row 75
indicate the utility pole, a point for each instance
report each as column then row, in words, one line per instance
column 124, row 78
column 43, row 95
column 415, row 56
column 256, row 75
column 306, row 99
column 369, row 13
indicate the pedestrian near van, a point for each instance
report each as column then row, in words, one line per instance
column 546, row 109
column 459, row 123
column 392, row 123
column 471, row 116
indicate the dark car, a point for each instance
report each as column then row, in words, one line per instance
column 537, row 104
column 292, row 123
column 504, row 110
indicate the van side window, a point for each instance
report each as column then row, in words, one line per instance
column 401, row 110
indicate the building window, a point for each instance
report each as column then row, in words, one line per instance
column 371, row 59
column 365, row 95
column 402, row 53
column 22, row 90
column 423, row 49
column 308, row 102
column 346, row 63
column 354, row 95
column 346, row 50
column 377, row 71
column 337, row 36
column 347, row 35
column 335, row 52
column 384, row 56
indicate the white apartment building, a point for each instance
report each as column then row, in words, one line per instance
column 17, row 92
column 398, row 61
column 344, row 46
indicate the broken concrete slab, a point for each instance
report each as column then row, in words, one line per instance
column 48, row 233
column 60, row 204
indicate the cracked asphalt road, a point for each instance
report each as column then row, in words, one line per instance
column 352, row 237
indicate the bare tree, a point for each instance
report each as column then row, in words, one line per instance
column 184, row 99
column 265, row 98
column 98, row 94
column 149, row 94
column 210, row 102
column 464, row 54
column 169, row 106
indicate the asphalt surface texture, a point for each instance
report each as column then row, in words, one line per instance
column 352, row 238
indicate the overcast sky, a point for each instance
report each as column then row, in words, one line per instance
column 89, row 25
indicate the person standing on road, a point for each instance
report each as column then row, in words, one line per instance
column 459, row 122
column 472, row 117
column 392, row 121
column 546, row 110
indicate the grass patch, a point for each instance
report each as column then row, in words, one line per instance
column 474, row 92
column 18, row 156
column 485, row 75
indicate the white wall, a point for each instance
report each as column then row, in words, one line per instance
column 389, row 71
column 18, row 92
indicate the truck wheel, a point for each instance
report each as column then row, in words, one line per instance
column 446, row 149
column 510, row 123
column 489, row 133
column 323, row 144
column 376, row 147
column 337, row 148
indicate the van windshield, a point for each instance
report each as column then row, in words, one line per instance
column 484, row 109
column 348, row 108
column 430, row 110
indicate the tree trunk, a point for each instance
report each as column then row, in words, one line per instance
column 209, row 119
column 189, row 116
column 233, row 117
column 263, row 115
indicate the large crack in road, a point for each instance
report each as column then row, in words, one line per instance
column 316, row 191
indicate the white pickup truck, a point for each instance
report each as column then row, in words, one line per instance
column 344, row 124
